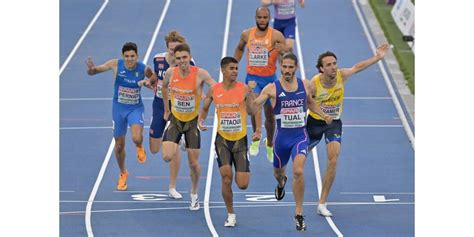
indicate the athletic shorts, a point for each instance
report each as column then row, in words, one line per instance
column 261, row 83
column 175, row 128
column 123, row 117
column 232, row 152
column 286, row 27
column 316, row 128
column 158, row 124
column 288, row 144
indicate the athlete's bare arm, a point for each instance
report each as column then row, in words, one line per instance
column 268, row 92
column 151, row 78
column 205, row 110
column 249, row 98
column 93, row 69
column 164, row 92
column 380, row 53
column 266, row 3
column 239, row 50
column 279, row 42
column 313, row 105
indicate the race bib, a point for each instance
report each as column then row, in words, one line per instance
column 331, row 109
column 258, row 57
column 158, row 89
column 129, row 96
column 286, row 8
column 292, row 117
column 231, row 122
column 184, row 103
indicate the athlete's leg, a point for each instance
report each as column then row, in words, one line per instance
column 257, row 122
column 333, row 149
column 174, row 168
column 269, row 123
column 119, row 150
column 298, row 182
column 226, row 175
column 195, row 168
column 279, row 174
column 137, row 134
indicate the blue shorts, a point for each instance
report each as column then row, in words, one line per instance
column 286, row 27
column 286, row 145
column 123, row 116
column 316, row 128
column 158, row 124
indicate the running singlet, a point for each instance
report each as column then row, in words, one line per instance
column 126, row 89
column 184, row 96
column 331, row 99
column 285, row 9
column 290, row 108
column 261, row 58
column 160, row 67
column 231, row 112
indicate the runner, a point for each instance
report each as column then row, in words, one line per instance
column 184, row 83
column 127, row 108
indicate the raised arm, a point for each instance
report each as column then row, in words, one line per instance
column 206, row 78
column 164, row 92
column 380, row 53
column 239, row 50
column 205, row 110
column 93, row 69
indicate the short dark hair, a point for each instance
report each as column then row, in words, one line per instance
column 291, row 56
column 129, row 46
column 323, row 55
column 226, row 60
column 182, row 47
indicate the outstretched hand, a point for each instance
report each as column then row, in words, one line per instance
column 201, row 125
column 90, row 64
column 382, row 50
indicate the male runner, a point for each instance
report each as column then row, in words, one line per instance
column 127, row 108
column 184, row 83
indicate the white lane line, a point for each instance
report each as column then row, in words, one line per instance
column 89, row 27
column 315, row 155
column 66, row 191
column 112, row 143
column 398, row 107
column 210, row 166
column 280, row 204
column 371, row 193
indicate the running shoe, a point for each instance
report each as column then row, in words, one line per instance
column 269, row 151
column 172, row 193
column 194, row 206
column 231, row 221
column 323, row 211
column 280, row 191
column 300, row 225
column 122, row 182
column 254, row 148
column 141, row 154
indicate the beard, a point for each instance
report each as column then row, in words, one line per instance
column 288, row 76
column 264, row 28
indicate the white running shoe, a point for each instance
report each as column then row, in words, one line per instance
column 323, row 211
column 194, row 206
column 182, row 143
column 231, row 221
column 172, row 193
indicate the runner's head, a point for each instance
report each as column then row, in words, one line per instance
column 172, row 39
column 262, row 18
column 229, row 68
column 288, row 65
column 182, row 54
column 130, row 54
column 327, row 64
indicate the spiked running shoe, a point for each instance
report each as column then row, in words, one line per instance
column 194, row 205
column 254, row 148
column 141, row 154
column 323, row 210
column 280, row 191
column 122, row 182
column 300, row 225
column 231, row 221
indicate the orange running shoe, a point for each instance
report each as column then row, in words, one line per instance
column 141, row 154
column 122, row 182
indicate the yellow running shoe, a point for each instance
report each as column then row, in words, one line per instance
column 254, row 147
column 141, row 154
column 122, row 182
column 269, row 151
